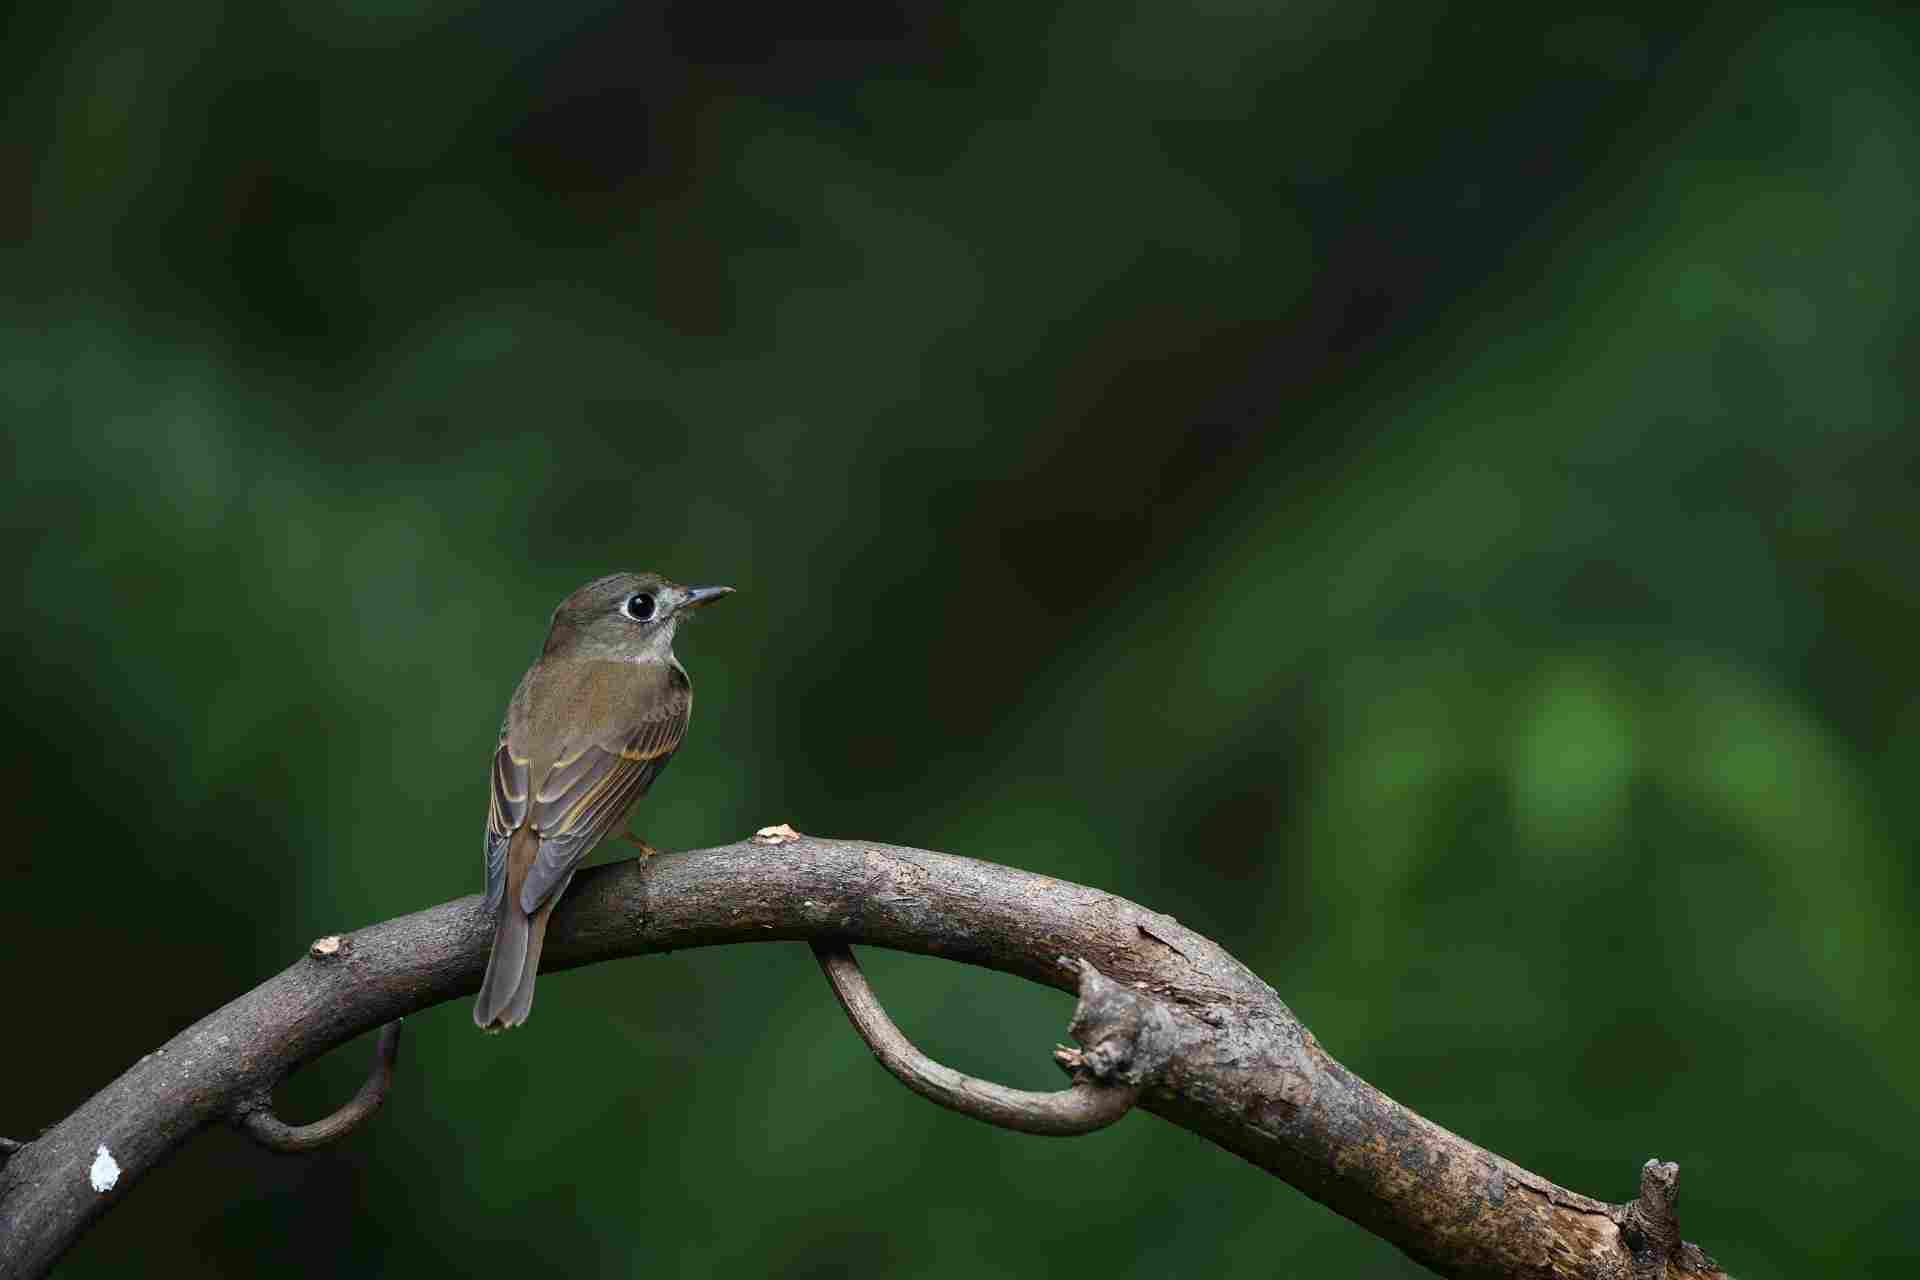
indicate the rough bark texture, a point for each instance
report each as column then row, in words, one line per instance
column 1228, row 1059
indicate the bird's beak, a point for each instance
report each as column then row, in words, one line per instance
column 700, row 597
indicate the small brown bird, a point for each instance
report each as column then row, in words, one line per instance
column 592, row 724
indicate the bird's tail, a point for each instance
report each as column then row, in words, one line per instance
column 515, row 957
column 521, row 1002
column 506, row 993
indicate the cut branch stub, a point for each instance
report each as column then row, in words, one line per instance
column 259, row 1123
column 1651, row 1231
column 1095, row 1101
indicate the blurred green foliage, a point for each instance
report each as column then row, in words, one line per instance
column 1426, row 494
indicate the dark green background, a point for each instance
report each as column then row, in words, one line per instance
column 1426, row 495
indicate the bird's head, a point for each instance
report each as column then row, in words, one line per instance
column 627, row 617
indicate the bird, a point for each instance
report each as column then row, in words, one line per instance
column 589, row 729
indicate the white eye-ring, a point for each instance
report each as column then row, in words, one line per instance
column 640, row 607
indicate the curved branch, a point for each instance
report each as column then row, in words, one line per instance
column 1230, row 1061
column 1088, row 1105
column 270, row 1131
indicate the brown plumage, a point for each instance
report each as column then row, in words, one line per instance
column 593, row 723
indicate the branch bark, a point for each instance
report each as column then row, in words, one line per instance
column 1228, row 1060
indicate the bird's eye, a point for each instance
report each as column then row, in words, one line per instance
column 640, row 607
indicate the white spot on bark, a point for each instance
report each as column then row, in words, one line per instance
column 105, row 1171
column 780, row 833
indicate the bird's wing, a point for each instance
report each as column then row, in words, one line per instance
column 591, row 789
column 506, row 810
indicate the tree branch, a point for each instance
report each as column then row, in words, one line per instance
column 270, row 1131
column 1227, row 1059
column 1093, row 1103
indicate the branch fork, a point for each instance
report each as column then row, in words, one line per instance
column 255, row 1118
column 1101, row 1093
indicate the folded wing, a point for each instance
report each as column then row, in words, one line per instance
column 506, row 810
column 587, row 794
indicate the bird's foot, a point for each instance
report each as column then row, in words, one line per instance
column 646, row 850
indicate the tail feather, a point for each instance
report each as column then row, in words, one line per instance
column 506, row 993
column 521, row 1002
column 508, row 968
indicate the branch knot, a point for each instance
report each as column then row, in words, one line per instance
column 1128, row 1035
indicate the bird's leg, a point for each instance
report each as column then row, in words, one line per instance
column 646, row 850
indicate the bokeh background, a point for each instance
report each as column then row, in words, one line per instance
column 1425, row 493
